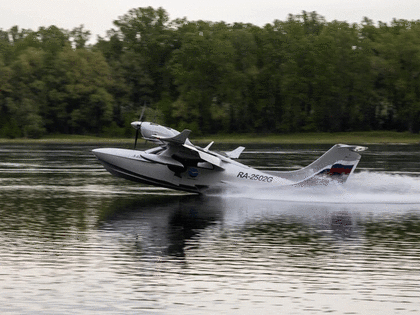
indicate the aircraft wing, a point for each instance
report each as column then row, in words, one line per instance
column 180, row 151
column 182, row 139
column 205, row 156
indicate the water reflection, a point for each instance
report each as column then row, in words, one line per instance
column 167, row 225
column 268, row 252
column 160, row 225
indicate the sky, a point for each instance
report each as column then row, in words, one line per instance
column 98, row 15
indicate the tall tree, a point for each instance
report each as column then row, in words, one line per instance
column 79, row 36
column 146, row 35
column 28, row 92
column 80, row 102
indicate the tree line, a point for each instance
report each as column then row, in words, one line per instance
column 299, row 75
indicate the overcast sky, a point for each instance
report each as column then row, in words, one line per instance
column 98, row 15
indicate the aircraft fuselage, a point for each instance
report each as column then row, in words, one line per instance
column 197, row 177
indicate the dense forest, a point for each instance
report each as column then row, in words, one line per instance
column 303, row 74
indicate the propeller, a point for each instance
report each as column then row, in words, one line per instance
column 138, row 126
column 137, row 135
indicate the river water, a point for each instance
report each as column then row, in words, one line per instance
column 76, row 240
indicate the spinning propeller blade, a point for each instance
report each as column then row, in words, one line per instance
column 137, row 135
column 139, row 126
column 142, row 112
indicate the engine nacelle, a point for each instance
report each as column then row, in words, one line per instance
column 154, row 132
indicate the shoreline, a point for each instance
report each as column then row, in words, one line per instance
column 370, row 137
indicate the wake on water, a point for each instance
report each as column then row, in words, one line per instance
column 361, row 188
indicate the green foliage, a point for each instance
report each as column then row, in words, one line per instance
column 79, row 37
column 300, row 75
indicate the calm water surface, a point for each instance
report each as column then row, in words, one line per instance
column 75, row 240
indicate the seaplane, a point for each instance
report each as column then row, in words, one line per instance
column 178, row 164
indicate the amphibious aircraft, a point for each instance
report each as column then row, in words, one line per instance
column 178, row 164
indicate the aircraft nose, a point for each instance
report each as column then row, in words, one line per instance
column 101, row 154
column 110, row 155
column 97, row 152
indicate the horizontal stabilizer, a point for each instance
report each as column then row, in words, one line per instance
column 235, row 153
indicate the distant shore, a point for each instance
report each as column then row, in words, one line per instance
column 370, row 137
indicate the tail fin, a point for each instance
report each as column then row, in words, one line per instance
column 337, row 164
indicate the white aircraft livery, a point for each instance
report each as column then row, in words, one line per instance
column 178, row 164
